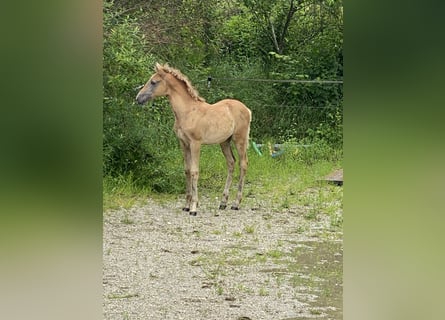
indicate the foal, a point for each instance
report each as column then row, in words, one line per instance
column 197, row 123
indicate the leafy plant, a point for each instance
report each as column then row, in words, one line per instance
column 137, row 141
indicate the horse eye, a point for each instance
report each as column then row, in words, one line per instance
column 152, row 82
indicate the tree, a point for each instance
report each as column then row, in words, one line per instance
column 274, row 17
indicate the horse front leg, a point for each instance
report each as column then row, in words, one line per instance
column 188, row 179
column 195, row 148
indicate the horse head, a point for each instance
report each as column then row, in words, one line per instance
column 156, row 86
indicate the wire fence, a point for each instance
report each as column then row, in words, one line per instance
column 210, row 79
column 281, row 108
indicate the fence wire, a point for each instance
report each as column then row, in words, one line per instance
column 281, row 108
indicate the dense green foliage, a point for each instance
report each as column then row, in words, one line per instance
column 240, row 44
column 137, row 141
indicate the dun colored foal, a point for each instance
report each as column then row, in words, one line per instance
column 198, row 123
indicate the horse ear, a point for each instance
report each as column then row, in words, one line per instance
column 159, row 69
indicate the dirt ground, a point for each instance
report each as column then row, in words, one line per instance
column 261, row 262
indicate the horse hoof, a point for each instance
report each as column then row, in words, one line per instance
column 193, row 213
column 186, row 209
column 234, row 208
column 222, row 206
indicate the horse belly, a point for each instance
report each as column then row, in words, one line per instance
column 217, row 130
column 214, row 137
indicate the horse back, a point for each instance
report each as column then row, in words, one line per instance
column 239, row 110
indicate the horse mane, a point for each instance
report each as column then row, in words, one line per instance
column 181, row 77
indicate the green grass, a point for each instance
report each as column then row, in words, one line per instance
column 123, row 296
column 249, row 229
column 121, row 192
column 281, row 182
column 127, row 220
column 263, row 292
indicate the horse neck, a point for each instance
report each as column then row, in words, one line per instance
column 180, row 100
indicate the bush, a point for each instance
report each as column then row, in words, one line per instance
column 137, row 141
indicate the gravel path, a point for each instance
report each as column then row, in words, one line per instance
column 161, row 263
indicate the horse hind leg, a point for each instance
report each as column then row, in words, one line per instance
column 188, row 192
column 241, row 147
column 230, row 160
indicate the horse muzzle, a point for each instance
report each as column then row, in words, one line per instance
column 143, row 98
